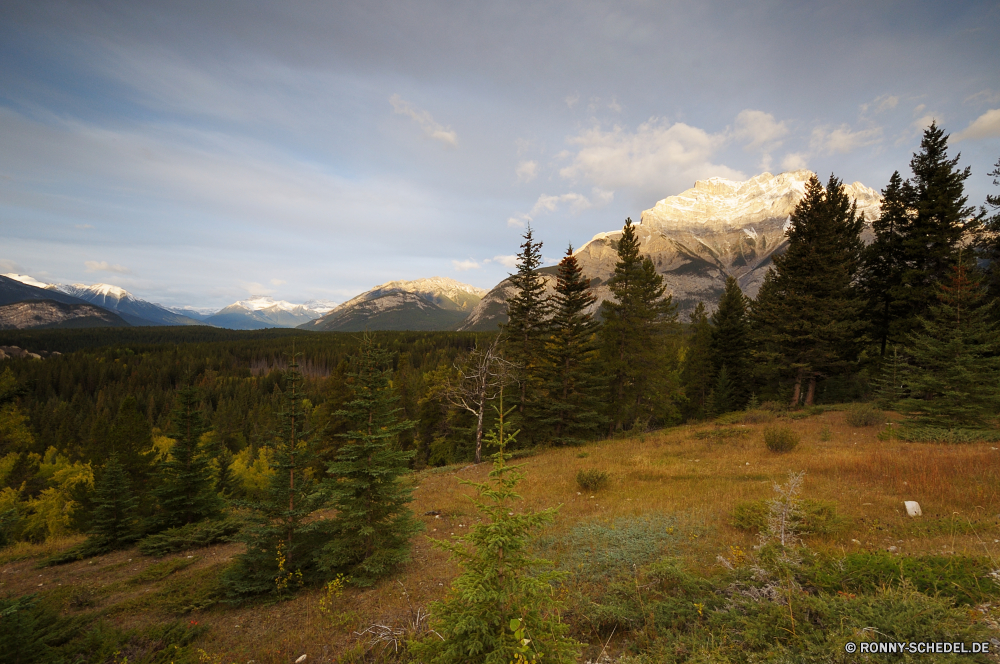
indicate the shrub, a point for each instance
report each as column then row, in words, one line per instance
column 780, row 439
column 919, row 434
column 592, row 479
column 202, row 533
column 864, row 415
column 818, row 517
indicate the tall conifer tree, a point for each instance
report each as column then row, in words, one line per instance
column 526, row 329
column 131, row 438
column 373, row 526
column 954, row 358
column 989, row 241
column 282, row 543
column 697, row 370
column 570, row 369
column 936, row 224
column 186, row 491
column 884, row 263
column 113, row 522
column 807, row 313
column 632, row 338
column 730, row 344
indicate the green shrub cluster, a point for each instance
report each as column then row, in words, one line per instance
column 191, row 536
column 923, row 434
column 864, row 415
column 592, row 479
column 780, row 439
column 818, row 517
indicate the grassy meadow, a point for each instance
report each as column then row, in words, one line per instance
column 684, row 486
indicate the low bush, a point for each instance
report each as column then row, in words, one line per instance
column 780, row 439
column 193, row 535
column 864, row 415
column 721, row 433
column 592, row 479
column 818, row 517
column 920, row 434
column 755, row 416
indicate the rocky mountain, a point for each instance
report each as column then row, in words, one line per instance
column 261, row 311
column 437, row 303
column 113, row 298
column 696, row 239
column 42, row 314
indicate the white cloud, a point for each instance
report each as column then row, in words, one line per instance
column 104, row 266
column 794, row 161
column 577, row 202
column 654, row 158
column 278, row 282
column 83, row 227
column 988, row 97
column 880, row 104
column 986, row 125
column 842, row 139
column 509, row 262
column 515, row 222
column 759, row 129
column 571, row 100
column 925, row 121
column 526, row 171
column 423, row 118
column 8, row 265
column 462, row 266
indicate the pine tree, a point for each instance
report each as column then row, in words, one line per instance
column 989, row 241
column 113, row 521
column 730, row 344
column 883, row 265
column 526, row 330
column 569, row 368
column 697, row 370
column 806, row 315
column 632, row 338
column 953, row 367
column 373, row 526
column 186, row 491
column 937, row 224
column 282, row 542
column 724, row 393
column 503, row 595
column 131, row 438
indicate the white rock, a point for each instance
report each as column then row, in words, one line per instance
column 301, row 659
column 912, row 508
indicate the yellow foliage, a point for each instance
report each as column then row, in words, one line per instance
column 51, row 513
column 253, row 474
column 14, row 432
column 7, row 466
column 163, row 445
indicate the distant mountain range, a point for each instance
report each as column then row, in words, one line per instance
column 437, row 303
column 261, row 311
column 696, row 239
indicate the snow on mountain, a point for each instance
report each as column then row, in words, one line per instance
column 262, row 311
column 25, row 279
column 696, row 239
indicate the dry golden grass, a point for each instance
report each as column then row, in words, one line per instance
column 697, row 473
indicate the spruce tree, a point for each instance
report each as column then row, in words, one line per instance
column 186, row 490
column 633, row 336
column 526, row 330
column 937, row 224
column 282, row 543
column 503, row 595
column 883, row 265
column 807, row 314
column 989, row 241
column 113, row 521
column 373, row 527
column 953, row 367
column 730, row 344
column 697, row 369
column 569, row 367
column 724, row 393
column 131, row 438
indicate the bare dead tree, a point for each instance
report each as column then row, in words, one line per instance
column 481, row 377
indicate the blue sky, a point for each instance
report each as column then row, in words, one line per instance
column 195, row 153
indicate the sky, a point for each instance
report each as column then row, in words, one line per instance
column 197, row 153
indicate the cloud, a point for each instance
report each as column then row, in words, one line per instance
column 842, row 139
column 526, row 171
column 759, row 129
column 571, row 100
column 794, row 161
column 462, row 266
column 509, row 262
column 656, row 157
column 925, row 121
column 988, row 97
column 880, row 104
column 83, row 227
column 104, row 266
column 8, row 265
column 577, row 202
column 986, row 125
column 515, row 222
column 423, row 118
column 278, row 282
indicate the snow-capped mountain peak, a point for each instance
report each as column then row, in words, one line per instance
column 30, row 281
column 106, row 291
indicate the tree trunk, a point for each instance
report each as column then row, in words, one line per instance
column 811, row 391
column 479, row 434
column 797, row 392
